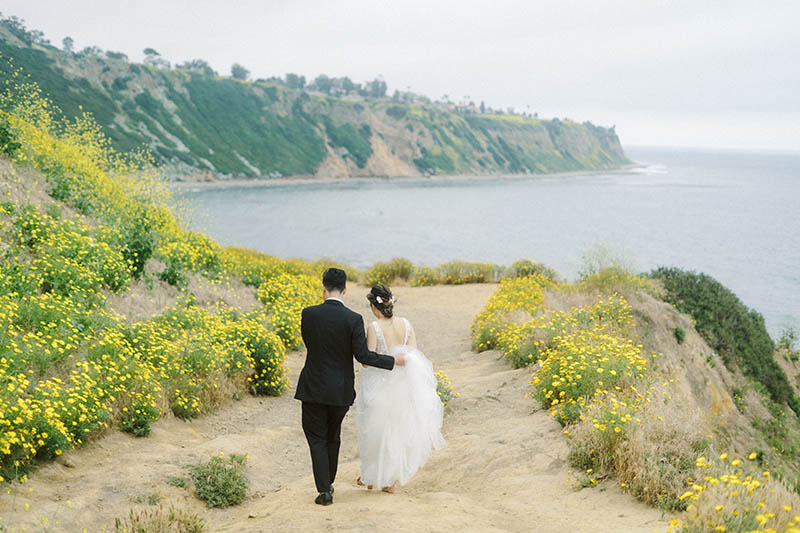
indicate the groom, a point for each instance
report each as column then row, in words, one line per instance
column 333, row 334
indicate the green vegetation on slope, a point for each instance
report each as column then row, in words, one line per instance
column 737, row 333
column 198, row 121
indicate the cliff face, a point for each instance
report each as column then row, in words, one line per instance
column 198, row 124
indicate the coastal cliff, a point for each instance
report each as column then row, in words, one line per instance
column 203, row 126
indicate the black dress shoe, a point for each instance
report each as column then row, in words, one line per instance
column 324, row 498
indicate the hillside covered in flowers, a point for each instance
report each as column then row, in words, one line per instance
column 80, row 224
column 113, row 314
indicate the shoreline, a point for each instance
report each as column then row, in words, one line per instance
column 310, row 180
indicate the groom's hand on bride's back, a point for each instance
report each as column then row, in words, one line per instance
column 400, row 360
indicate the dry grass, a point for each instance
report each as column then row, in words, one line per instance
column 560, row 300
column 791, row 368
column 737, row 495
column 232, row 293
column 146, row 299
column 24, row 185
column 160, row 520
column 658, row 459
column 653, row 458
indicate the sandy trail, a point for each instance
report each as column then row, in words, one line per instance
column 504, row 468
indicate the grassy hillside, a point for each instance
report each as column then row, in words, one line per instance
column 205, row 123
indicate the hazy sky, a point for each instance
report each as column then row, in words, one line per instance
column 686, row 73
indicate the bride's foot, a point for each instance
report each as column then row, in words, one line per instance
column 390, row 490
column 360, row 484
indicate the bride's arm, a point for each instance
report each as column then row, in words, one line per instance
column 372, row 341
column 412, row 337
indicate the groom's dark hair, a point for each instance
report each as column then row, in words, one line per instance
column 334, row 279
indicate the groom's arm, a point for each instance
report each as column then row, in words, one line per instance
column 304, row 327
column 363, row 355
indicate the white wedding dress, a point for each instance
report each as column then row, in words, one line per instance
column 399, row 416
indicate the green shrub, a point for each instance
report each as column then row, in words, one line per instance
column 177, row 481
column 220, row 482
column 54, row 440
column 786, row 343
column 66, row 186
column 173, row 275
column 737, row 333
column 775, row 430
column 434, row 161
column 53, row 211
column 30, row 226
column 72, row 258
column 137, row 421
column 8, row 141
column 383, row 273
column 444, row 388
column 284, row 296
column 321, row 265
column 613, row 278
column 138, row 244
column 525, row 355
column 461, row 272
column 787, row 339
column 680, row 334
column 152, row 499
column 396, row 112
column 287, row 287
column 527, row 267
column 379, row 274
column 268, row 354
column 424, row 276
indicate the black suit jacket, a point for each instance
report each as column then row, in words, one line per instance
column 333, row 334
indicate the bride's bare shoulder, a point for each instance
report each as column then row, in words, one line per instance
column 405, row 323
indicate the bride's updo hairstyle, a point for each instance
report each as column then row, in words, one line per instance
column 381, row 297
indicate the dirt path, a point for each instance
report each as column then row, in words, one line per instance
column 504, row 468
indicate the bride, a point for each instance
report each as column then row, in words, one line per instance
column 398, row 413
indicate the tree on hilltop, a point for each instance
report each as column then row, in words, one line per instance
column 295, row 81
column 16, row 26
column 200, row 66
column 91, row 51
column 239, row 72
column 116, row 55
column 154, row 59
column 68, row 44
column 322, row 83
column 377, row 88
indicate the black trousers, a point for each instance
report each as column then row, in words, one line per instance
column 322, row 425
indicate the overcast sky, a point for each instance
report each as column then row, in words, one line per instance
column 682, row 73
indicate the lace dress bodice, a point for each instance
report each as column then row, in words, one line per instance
column 381, row 347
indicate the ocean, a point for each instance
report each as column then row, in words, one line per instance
column 734, row 215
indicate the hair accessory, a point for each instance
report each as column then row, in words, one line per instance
column 379, row 299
